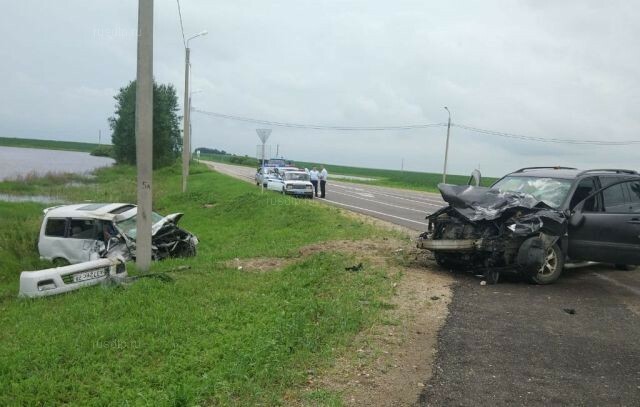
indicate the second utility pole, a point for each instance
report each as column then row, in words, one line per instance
column 186, row 145
column 446, row 150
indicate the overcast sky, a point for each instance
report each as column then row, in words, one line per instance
column 552, row 69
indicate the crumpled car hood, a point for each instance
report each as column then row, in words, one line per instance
column 173, row 218
column 482, row 203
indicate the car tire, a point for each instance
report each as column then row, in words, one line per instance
column 625, row 267
column 552, row 267
column 492, row 276
column 60, row 262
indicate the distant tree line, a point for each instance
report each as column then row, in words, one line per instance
column 167, row 140
column 205, row 150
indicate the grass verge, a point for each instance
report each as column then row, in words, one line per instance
column 215, row 335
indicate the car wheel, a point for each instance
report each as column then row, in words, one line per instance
column 60, row 262
column 283, row 191
column 552, row 267
column 624, row 267
column 492, row 276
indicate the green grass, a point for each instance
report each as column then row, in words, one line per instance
column 215, row 335
column 391, row 178
column 47, row 144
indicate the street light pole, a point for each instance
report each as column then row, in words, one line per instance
column 186, row 139
column 185, row 120
column 144, row 133
column 446, row 150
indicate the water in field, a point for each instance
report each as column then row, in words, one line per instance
column 15, row 162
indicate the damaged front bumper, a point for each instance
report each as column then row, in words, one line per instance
column 467, row 245
column 59, row 280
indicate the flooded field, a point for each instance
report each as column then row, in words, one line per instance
column 16, row 162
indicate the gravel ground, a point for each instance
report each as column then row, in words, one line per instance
column 571, row 343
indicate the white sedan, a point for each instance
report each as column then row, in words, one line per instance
column 292, row 183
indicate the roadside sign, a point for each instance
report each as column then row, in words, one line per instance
column 263, row 134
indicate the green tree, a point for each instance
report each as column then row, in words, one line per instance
column 167, row 141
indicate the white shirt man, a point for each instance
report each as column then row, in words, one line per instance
column 313, row 177
column 323, row 176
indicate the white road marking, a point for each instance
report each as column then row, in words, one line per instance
column 377, row 212
column 618, row 283
column 379, row 202
column 437, row 205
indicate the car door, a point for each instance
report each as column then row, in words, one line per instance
column 275, row 184
column 608, row 232
column 81, row 239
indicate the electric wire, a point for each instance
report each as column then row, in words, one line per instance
column 317, row 126
column 418, row 126
column 184, row 41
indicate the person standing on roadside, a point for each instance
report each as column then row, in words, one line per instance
column 323, row 176
column 313, row 177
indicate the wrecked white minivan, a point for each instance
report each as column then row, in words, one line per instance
column 73, row 234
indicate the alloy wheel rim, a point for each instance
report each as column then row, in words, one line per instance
column 550, row 263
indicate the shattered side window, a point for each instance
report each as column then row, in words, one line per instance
column 82, row 229
column 551, row 191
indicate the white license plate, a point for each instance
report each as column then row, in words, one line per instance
column 88, row 275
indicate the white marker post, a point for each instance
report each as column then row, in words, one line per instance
column 263, row 134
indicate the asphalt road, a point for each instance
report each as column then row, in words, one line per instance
column 576, row 342
column 402, row 207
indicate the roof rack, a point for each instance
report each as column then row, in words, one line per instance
column 614, row 170
column 542, row 168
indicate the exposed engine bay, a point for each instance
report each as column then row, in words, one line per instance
column 488, row 231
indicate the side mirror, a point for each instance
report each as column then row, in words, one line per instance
column 576, row 218
column 475, row 178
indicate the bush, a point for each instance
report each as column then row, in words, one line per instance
column 103, row 151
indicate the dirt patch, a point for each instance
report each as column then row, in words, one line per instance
column 389, row 363
column 259, row 264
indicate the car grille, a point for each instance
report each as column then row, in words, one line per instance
column 299, row 186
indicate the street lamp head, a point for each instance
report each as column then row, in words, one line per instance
column 201, row 33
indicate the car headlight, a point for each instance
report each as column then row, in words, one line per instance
column 309, row 187
column 289, row 186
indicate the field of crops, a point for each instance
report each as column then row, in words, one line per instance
column 47, row 144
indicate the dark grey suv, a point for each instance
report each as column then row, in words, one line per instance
column 532, row 221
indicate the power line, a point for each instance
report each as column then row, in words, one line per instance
column 546, row 140
column 184, row 41
column 317, row 126
column 418, row 126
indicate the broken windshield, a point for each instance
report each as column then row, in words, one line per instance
column 551, row 191
column 128, row 226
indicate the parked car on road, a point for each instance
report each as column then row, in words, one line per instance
column 292, row 183
column 77, row 233
column 530, row 222
column 264, row 174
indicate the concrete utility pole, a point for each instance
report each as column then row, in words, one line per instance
column 186, row 136
column 144, row 132
column 446, row 151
